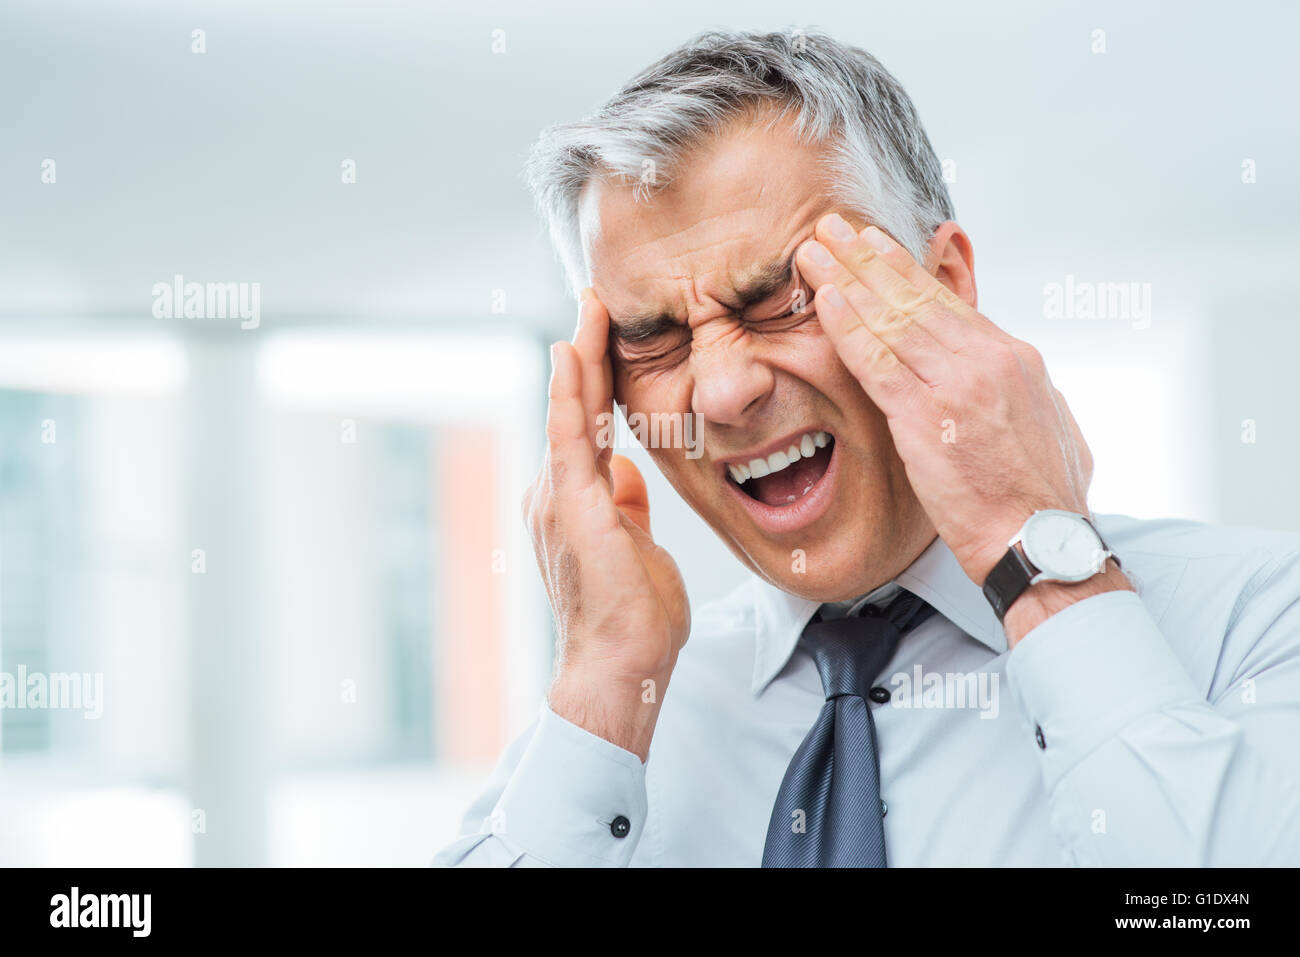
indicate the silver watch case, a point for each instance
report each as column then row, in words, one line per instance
column 1043, row 563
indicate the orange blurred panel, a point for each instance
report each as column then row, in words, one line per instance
column 469, row 695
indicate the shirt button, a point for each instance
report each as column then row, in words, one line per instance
column 620, row 826
column 884, row 808
column 1038, row 736
column 879, row 695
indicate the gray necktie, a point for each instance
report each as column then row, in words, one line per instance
column 828, row 811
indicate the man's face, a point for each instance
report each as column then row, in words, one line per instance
column 709, row 316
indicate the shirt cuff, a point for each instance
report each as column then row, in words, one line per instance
column 574, row 799
column 1090, row 670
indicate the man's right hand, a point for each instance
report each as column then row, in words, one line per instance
column 620, row 606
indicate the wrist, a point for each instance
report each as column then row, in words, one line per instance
column 622, row 712
column 1039, row 602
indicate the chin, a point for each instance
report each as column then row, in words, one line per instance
column 829, row 584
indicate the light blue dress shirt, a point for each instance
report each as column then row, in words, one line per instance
column 1157, row 728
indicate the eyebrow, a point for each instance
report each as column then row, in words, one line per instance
column 759, row 285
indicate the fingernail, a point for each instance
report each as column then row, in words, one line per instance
column 586, row 294
column 832, row 295
column 555, row 351
column 877, row 239
column 818, row 253
column 837, row 227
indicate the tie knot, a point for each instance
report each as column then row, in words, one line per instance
column 851, row 652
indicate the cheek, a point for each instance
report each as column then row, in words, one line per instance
column 675, row 466
column 812, row 358
column 663, row 390
column 692, row 480
column 809, row 355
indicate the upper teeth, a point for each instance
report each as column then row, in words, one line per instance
column 807, row 444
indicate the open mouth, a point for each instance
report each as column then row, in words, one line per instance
column 784, row 477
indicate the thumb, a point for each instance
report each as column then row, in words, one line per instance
column 630, row 496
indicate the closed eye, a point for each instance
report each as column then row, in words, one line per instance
column 657, row 346
column 662, row 342
column 800, row 311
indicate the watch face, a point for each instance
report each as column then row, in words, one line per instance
column 1062, row 546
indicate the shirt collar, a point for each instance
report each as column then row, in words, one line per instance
column 935, row 576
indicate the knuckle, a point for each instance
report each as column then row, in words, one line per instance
column 864, row 254
column 556, row 474
column 532, row 520
column 881, row 365
column 946, row 297
column 870, row 352
column 981, row 390
column 1005, row 361
column 891, row 318
column 910, row 298
column 556, row 431
column 549, row 521
column 849, row 285
column 914, row 301
column 1030, row 356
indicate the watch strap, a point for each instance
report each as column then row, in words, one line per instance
column 1008, row 580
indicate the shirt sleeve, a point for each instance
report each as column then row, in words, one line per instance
column 561, row 797
column 1141, row 767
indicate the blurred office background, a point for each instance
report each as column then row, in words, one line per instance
column 294, row 552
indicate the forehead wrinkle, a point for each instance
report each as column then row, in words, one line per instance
column 739, row 280
column 685, row 283
column 680, row 283
column 760, row 283
column 750, row 288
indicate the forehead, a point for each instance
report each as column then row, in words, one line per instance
column 740, row 202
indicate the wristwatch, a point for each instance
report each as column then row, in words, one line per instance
column 1057, row 547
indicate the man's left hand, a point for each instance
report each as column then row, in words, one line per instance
column 985, row 437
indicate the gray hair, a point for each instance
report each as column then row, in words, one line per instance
column 881, row 164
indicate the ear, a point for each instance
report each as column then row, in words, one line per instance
column 951, row 260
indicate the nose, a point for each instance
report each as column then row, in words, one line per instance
column 730, row 383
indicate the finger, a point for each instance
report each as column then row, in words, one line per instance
column 885, row 267
column 570, row 455
column 591, row 341
column 630, row 495
column 874, row 258
column 886, row 380
column 966, row 313
column 946, row 316
column 906, row 338
column 945, row 297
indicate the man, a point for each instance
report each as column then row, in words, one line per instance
column 769, row 246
